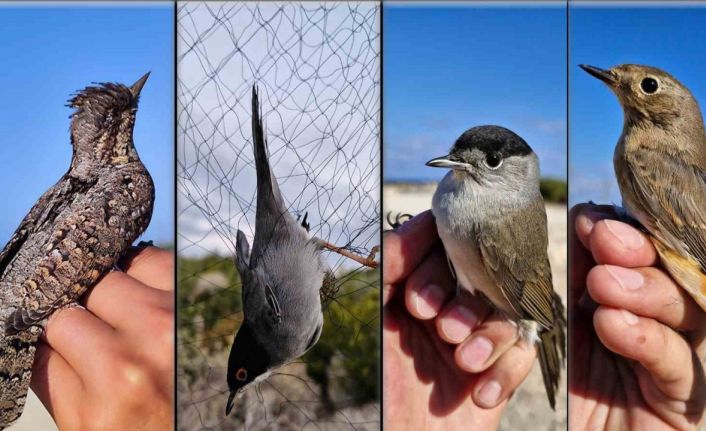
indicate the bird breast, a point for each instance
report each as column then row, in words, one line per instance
column 460, row 214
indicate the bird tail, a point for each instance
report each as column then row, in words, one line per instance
column 552, row 350
column 15, row 373
column 268, row 194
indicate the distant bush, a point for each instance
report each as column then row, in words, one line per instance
column 554, row 190
column 345, row 360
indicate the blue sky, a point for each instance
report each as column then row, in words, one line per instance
column 451, row 67
column 669, row 38
column 49, row 52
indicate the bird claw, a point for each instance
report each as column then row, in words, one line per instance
column 305, row 224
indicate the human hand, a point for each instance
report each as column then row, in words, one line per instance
column 110, row 366
column 450, row 363
column 637, row 340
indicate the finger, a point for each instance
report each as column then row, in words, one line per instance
column 405, row 247
column 580, row 256
column 57, row 385
column 460, row 317
column 647, row 292
column 613, row 242
column 428, row 287
column 387, row 291
column 647, row 341
column 507, row 373
column 152, row 266
column 77, row 335
column 585, row 216
column 684, row 413
column 124, row 302
column 492, row 338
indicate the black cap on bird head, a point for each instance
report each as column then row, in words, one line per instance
column 482, row 150
column 103, row 121
column 246, row 362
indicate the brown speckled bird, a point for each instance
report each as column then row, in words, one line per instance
column 75, row 233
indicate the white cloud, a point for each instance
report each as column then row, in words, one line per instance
column 317, row 67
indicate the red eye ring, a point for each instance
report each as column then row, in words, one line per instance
column 241, row 374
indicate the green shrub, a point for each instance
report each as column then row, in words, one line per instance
column 553, row 190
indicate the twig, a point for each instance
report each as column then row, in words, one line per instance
column 367, row 261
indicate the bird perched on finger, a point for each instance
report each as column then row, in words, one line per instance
column 660, row 165
column 281, row 277
column 492, row 222
column 75, row 233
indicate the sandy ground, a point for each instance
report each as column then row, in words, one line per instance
column 35, row 417
column 528, row 409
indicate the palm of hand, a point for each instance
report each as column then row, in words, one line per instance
column 427, row 381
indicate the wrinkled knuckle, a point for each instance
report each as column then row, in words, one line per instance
column 129, row 377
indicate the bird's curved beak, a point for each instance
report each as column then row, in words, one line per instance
column 229, row 405
column 136, row 88
column 604, row 75
column 445, row 162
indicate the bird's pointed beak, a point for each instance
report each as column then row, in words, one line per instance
column 604, row 75
column 229, row 405
column 445, row 162
column 136, row 88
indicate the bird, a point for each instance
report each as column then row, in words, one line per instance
column 281, row 277
column 492, row 222
column 660, row 166
column 75, row 233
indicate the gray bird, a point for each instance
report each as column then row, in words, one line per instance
column 281, row 278
column 75, row 233
column 660, row 164
column 491, row 219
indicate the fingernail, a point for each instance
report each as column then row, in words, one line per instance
column 489, row 394
column 630, row 318
column 591, row 217
column 429, row 300
column 457, row 323
column 476, row 352
column 626, row 278
column 626, row 234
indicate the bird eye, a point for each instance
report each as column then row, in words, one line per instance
column 493, row 160
column 241, row 374
column 649, row 85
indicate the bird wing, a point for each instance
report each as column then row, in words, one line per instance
column 73, row 259
column 42, row 213
column 514, row 253
column 673, row 197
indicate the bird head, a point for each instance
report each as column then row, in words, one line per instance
column 491, row 156
column 650, row 96
column 103, row 122
column 247, row 363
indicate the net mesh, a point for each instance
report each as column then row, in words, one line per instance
column 317, row 69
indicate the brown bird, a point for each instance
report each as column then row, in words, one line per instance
column 75, row 233
column 660, row 164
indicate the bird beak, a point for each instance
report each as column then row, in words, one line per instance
column 444, row 162
column 229, row 405
column 604, row 75
column 136, row 88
